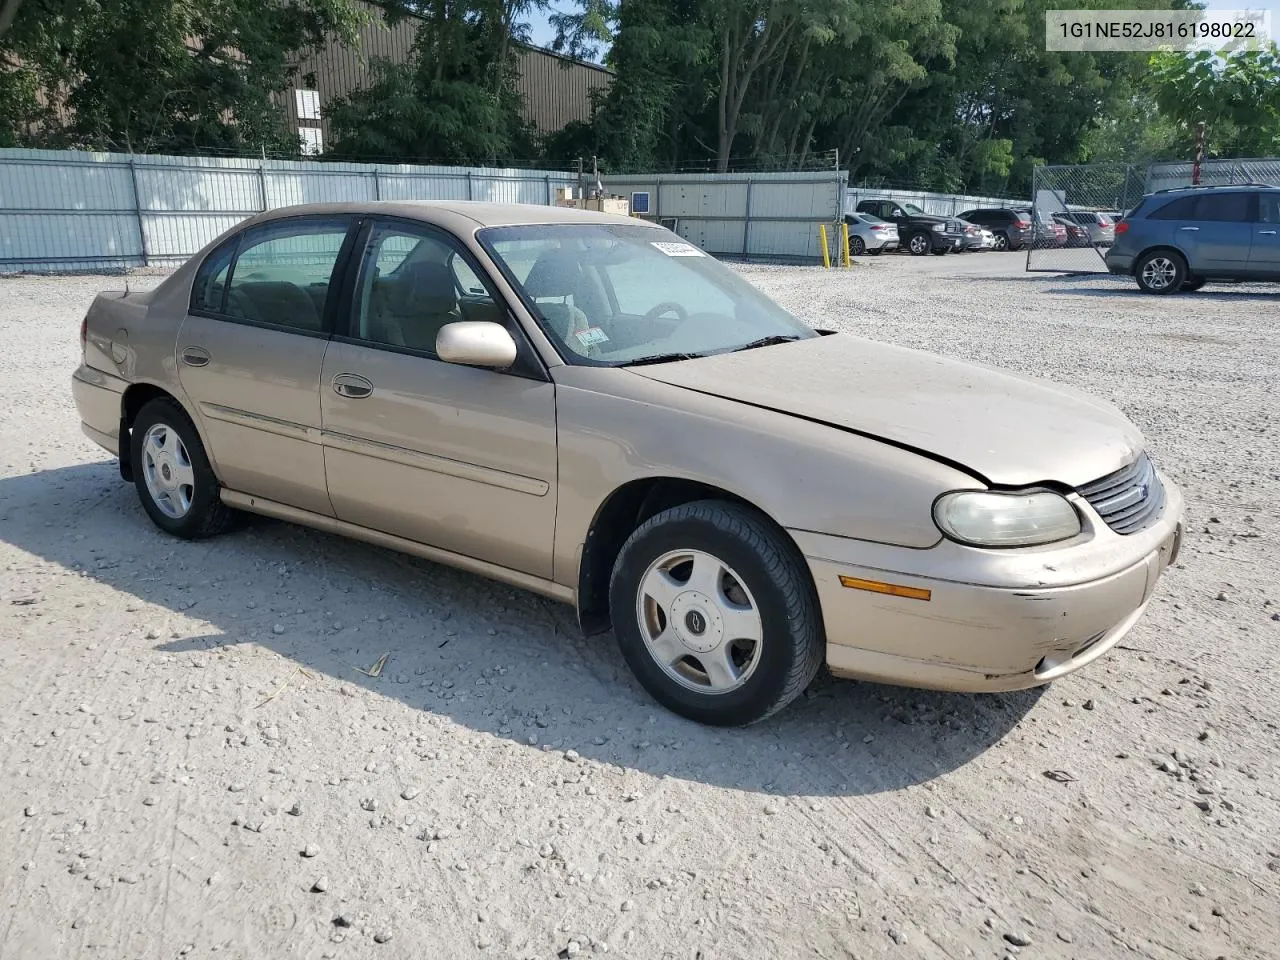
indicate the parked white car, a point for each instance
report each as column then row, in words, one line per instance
column 868, row 234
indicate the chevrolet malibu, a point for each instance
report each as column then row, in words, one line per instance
column 591, row 408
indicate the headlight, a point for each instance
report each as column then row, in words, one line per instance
column 939, row 227
column 987, row 519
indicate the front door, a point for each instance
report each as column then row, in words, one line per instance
column 1264, row 255
column 250, row 352
column 456, row 457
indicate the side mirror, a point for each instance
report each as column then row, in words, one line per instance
column 476, row 343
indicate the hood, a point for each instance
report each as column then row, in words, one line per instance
column 1003, row 428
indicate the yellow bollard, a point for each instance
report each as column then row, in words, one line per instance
column 826, row 248
column 844, row 244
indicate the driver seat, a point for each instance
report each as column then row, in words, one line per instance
column 557, row 273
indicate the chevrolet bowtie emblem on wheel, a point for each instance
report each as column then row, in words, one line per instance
column 696, row 623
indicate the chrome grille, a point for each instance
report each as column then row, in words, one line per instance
column 1129, row 500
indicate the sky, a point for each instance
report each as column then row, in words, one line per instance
column 543, row 34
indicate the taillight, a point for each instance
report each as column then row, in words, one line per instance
column 1022, row 224
column 1104, row 221
column 1122, row 227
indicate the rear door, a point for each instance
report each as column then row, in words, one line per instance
column 1212, row 229
column 250, row 351
column 1264, row 254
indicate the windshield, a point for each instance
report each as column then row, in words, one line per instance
column 912, row 209
column 611, row 295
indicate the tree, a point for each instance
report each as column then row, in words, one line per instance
column 1236, row 96
column 455, row 100
column 159, row 75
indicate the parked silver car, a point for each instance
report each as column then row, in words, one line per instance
column 1100, row 227
column 870, row 234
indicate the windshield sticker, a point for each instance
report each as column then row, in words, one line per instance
column 591, row 336
column 678, row 249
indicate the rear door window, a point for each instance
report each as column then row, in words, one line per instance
column 1269, row 208
column 210, row 285
column 1225, row 207
column 283, row 271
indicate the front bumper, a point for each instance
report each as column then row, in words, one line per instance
column 1035, row 620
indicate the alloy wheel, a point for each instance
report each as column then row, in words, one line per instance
column 166, row 468
column 699, row 621
column 1159, row 272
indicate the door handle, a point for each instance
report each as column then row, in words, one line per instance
column 352, row 386
column 1190, row 228
column 195, row 357
column 1266, row 233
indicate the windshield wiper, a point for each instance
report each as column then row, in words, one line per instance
column 767, row 341
column 661, row 358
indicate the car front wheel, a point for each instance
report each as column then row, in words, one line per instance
column 919, row 244
column 1161, row 272
column 172, row 474
column 716, row 614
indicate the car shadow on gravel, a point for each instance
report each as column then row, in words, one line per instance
column 494, row 659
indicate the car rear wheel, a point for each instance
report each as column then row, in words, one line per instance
column 1002, row 241
column 172, row 474
column 919, row 244
column 716, row 614
column 857, row 246
column 1161, row 272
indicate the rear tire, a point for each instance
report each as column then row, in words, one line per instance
column 716, row 613
column 172, row 474
column 857, row 246
column 1002, row 241
column 1161, row 272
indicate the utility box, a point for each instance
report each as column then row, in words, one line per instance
column 619, row 206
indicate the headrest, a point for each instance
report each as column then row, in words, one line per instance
column 554, row 274
column 423, row 287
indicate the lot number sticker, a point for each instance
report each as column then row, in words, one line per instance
column 591, row 335
column 678, row 249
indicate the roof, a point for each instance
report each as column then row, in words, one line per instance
column 450, row 212
column 1220, row 186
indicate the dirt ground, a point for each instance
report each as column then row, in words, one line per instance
column 194, row 765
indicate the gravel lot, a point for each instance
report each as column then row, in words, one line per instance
column 194, row 766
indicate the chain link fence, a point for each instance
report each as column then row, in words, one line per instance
column 1073, row 214
column 1069, row 204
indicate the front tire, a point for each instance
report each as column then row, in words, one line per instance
column 172, row 474
column 919, row 244
column 716, row 614
column 1161, row 272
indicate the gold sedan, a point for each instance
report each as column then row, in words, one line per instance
column 592, row 408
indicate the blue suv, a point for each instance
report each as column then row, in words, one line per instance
column 1179, row 239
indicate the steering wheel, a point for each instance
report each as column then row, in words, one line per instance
column 667, row 305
